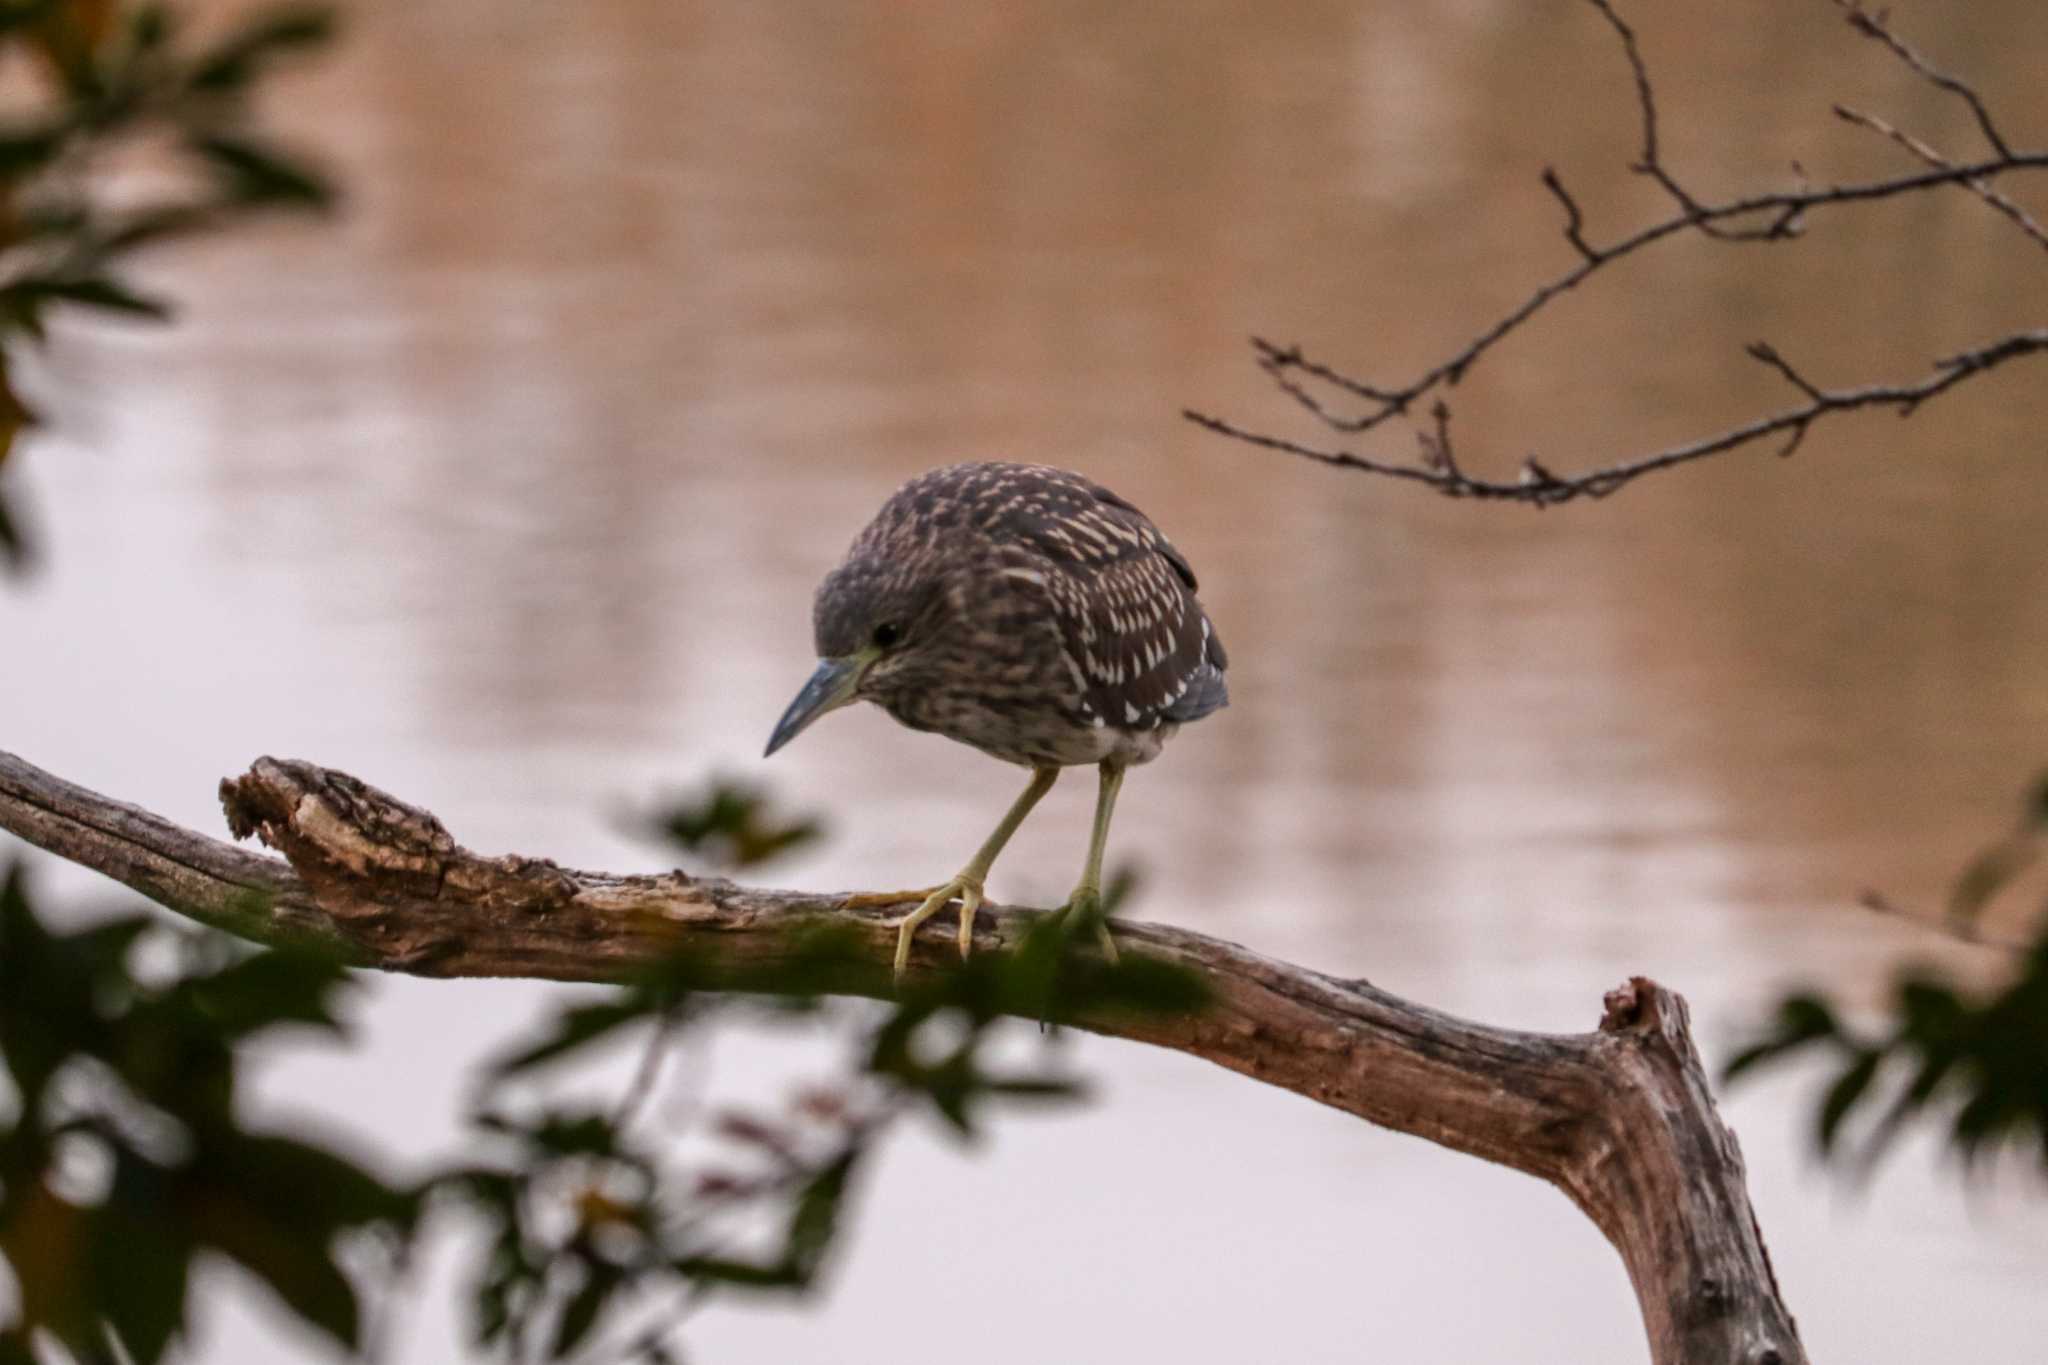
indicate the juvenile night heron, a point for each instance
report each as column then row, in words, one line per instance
column 1031, row 613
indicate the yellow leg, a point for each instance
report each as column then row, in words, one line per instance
column 1086, row 902
column 968, row 884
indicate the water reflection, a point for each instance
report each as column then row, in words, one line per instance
column 510, row 491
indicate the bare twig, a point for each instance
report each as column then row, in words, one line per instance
column 1770, row 216
column 2025, row 221
column 1876, row 26
column 1541, row 487
column 1962, row 931
column 1393, row 400
column 1768, row 354
column 1620, row 1118
column 641, row 1088
column 1436, row 445
column 1651, row 162
column 1574, row 221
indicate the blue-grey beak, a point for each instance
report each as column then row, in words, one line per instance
column 831, row 687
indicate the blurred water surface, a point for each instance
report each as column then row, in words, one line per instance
column 508, row 493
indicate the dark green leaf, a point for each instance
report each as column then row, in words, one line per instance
column 141, row 1259
column 1929, row 1010
column 2036, row 812
column 16, row 14
column 65, row 218
column 575, row 1135
column 491, row 1309
column 1802, row 1020
column 24, row 150
column 271, row 988
column 950, row 1095
column 1980, row 1056
column 324, row 1191
column 1123, row 882
column 581, row 1313
column 276, row 1205
column 267, row 1239
column 574, row 1028
column 1843, row 1095
column 259, row 174
column 162, row 223
column 14, row 551
column 1036, row 1088
column 1987, row 874
column 816, row 1217
column 231, row 65
column 725, row 1270
column 731, row 825
column 149, row 27
column 93, row 292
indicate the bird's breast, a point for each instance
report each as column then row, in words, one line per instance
column 1016, row 731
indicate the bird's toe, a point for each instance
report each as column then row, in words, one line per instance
column 881, row 900
column 968, row 888
column 1084, row 910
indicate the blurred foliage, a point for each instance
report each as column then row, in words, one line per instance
column 14, row 556
column 121, row 1154
column 1977, row 1061
column 591, row 1228
column 588, row 1221
column 122, row 1158
column 137, row 138
column 2003, row 860
column 730, row 825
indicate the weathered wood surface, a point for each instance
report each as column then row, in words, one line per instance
column 1621, row 1119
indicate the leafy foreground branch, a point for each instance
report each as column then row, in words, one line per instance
column 103, row 81
column 1974, row 1059
column 1621, row 1119
column 124, row 1159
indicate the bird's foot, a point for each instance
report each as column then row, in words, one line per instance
column 881, row 900
column 1084, row 910
column 968, row 889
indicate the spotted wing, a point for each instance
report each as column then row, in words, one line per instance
column 1141, row 646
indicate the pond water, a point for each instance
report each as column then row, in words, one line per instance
column 508, row 491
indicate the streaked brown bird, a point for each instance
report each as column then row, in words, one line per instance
column 1031, row 613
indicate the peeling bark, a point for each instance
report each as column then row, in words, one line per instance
column 1621, row 1119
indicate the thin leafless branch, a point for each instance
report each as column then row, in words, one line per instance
column 1876, row 26
column 1540, row 486
column 1962, row 931
column 1352, row 406
column 2025, row 221
column 1575, row 221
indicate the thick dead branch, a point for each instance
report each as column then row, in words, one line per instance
column 1621, row 1119
column 1352, row 406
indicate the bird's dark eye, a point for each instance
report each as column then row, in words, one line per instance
column 887, row 634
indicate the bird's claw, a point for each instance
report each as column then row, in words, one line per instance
column 968, row 889
column 879, row 900
column 1084, row 907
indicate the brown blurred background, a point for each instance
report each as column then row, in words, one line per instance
column 509, row 491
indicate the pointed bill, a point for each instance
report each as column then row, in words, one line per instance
column 831, row 687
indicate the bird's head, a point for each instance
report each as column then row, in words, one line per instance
column 878, row 625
